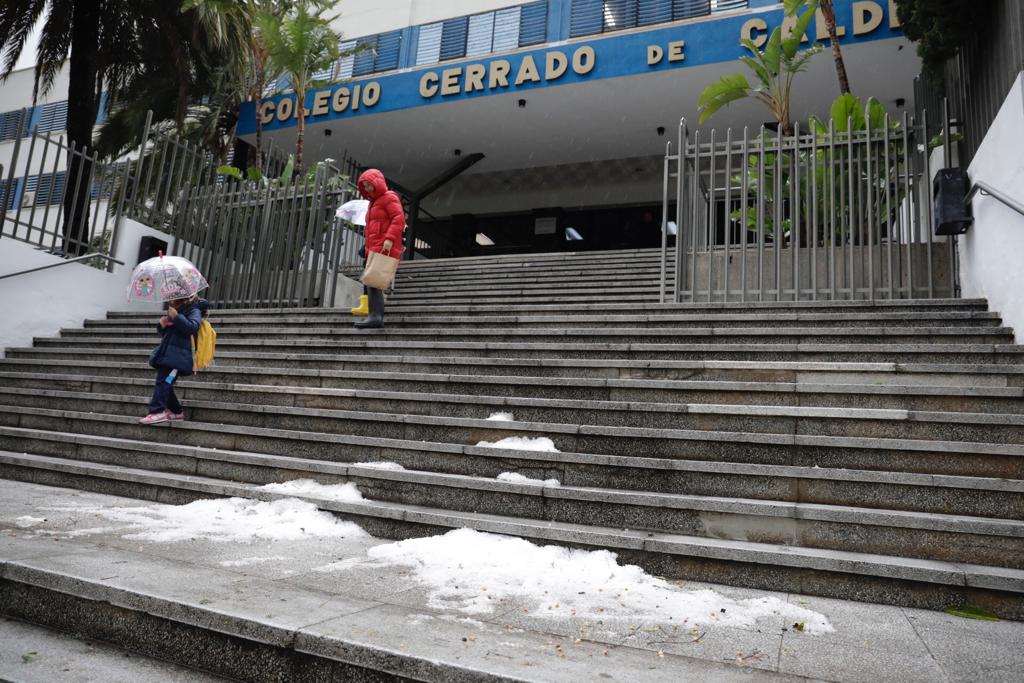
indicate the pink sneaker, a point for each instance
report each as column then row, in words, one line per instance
column 176, row 417
column 155, row 418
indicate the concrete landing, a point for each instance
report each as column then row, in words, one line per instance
column 380, row 618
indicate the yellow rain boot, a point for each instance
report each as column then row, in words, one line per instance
column 364, row 306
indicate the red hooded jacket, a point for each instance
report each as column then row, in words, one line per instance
column 385, row 219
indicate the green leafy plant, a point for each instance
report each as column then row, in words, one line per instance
column 777, row 192
column 773, row 67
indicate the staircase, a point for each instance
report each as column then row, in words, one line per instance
column 868, row 451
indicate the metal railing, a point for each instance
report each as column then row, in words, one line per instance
column 59, row 196
column 77, row 259
column 987, row 190
column 827, row 214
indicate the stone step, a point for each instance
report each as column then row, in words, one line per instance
column 97, row 336
column 952, row 538
column 861, row 306
column 654, row 430
column 376, row 341
column 641, row 320
column 907, row 581
column 198, row 615
column 335, row 410
column 969, row 399
column 969, row 496
column 323, row 370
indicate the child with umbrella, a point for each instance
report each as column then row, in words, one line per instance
column 179, row 281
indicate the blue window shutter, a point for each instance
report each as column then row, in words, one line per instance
column 9, row 123
column 533, row 24
column 654, row 12
column 586, row 18
column 366, row 56
column 428, row 49
column 389, row 46
column 346, row 64
column 620, row 14
column 480, row 37
column 506, row 29
column 685, row 9
column 453, row 38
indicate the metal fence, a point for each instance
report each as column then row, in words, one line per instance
column 261, row 243
column 60, row 197
column 827, row 214
column 979, row 77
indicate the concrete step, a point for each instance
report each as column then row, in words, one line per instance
column 909, row 581
column 904, row 492
column 324, row 370
column 974, row 319
column 970, row 399
column 453, row 417
column 728, row 433
column 866, row 334
column 861, row 306
column 952, row 538
column 377, row 341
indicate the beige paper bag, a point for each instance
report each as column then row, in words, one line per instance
column 380, row 270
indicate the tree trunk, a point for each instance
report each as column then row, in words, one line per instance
column 83, row 105
column 837, row 55
column 300, row 104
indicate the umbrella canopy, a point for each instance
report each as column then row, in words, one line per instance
column 353, row 211
column 165, row 278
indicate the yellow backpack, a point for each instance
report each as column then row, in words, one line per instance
column 204, row 346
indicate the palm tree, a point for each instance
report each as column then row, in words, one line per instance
column 829, row 14
column 299, row 43
column 775, row 67
column 87, row 34
column 235, row 22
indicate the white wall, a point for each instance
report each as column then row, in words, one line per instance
column 40, row 304
column 992, row 251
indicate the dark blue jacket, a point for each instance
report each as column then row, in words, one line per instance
column 175, row 349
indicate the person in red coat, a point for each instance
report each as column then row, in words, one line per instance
column 385, row 222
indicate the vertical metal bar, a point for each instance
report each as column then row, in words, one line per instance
column 888, row 205
column 24, row 189
column 664, row 222
column 913, row 210
column 119, row 216
column 744, row 169
column 778, row 234
column 794, row 210
column 698, row 223
column 851, row 208
column 22, row 122
column 67, row 153
column 141, row 161
column 951, row 240
column 103, row 169
column 40, row 174
column 831, row 223
column 929, row 198
column 812, row 228
column 728, row 212
column 74, row 198
column 682, row 224
column 761, row 231
column 53, row 181
column 870, row 222
column 712, row 230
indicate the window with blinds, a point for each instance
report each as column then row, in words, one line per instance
column 590, row 17
column 480, row 34
column 47, row 187
column 9, row 122
column 53, row 116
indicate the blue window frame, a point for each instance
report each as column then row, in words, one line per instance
column 478, row 34
column 590, row 17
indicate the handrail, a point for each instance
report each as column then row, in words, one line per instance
column 86, row 257
column 985, row 188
